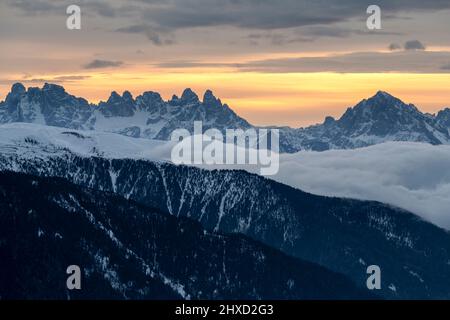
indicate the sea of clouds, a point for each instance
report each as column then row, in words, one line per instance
column 412, row 176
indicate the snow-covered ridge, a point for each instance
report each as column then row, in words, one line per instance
column 28, row 139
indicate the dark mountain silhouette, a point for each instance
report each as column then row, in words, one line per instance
column 129, row 251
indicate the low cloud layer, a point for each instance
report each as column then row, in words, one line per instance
column 412, row 176
column 407, row 175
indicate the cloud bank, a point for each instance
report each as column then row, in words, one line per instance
column 409, row 61
column 412, row 176
column 407, row 175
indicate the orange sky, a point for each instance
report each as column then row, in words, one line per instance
column 294, row 99
column 37, row 47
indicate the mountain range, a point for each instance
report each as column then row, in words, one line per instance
column 378, row 119
column 342, row 235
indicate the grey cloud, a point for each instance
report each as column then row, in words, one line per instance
column 398, row 61
column 157, row 37
column 446, row 66
column 414, row 45
column 271, row 14
column 338, row 32
column 378, row 173
column 255, row 14
column 411, row 45
column 310, row 34
column 276, row 38
column 194, row 64
column 101, row 8
column 37, row 6
column 69, row 78
column 395, row 46
column 96, row 64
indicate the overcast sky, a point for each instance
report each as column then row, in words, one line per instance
column 275, row 62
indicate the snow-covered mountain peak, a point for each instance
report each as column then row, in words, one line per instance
column 383, row 101
column 329, row 121
column 149, row 101
column 53, row 87
column 127, row 95
column 443, row 118
column 117, row 105
column 18, row 88
column 210, row 100
column 383, row 94
column 189, row 97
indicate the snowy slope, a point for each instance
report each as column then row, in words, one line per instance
column 21, row 137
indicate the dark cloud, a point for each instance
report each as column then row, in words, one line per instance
column 414, row 45
column 269, row 14
column 395, row 46
column 101, row 8
column 254, row 14
column 315, row 32
column 278, row 39
column 37, row 6
column 69, row 78
column 97, row 64
column 157, row 37
column 446, row 67
column 310, row 34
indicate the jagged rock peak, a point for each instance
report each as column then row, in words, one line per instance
column 127, row 95
column 53, row 87
column 209, row 99
column 18, row 88
column 383, row 94
column 189, row 96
